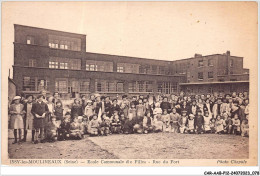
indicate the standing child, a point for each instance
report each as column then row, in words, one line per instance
column 116, row 123
column 16, row 122
column 245, row 128
column 58, row 112
column 75, row 129
column 199, row 122
column 157, row 112
column 191, row 124
column 236, row 125
column 51, row 130
column 166, row 121
column 207, row 118
column 89, row 110
column 132, row 112
column 28, row 119
column 182, row 122
column 219, row 125
column 94, row 126
column 140, row 111
column 212, row 125
column 175, row 118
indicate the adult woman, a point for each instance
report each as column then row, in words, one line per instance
column 16, row 121
column 28, row 118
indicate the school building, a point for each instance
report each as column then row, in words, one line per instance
column 56, row 61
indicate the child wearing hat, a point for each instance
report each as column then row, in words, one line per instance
column 182, row 122
column 89, row 110
column 191, row 124
column 51, row 130
column 16, row 122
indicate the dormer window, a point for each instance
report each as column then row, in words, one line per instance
column 30, row 40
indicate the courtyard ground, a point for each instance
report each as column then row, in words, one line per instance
column 137, row 146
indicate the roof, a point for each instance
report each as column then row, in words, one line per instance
column 217, row 82
column 18, row 25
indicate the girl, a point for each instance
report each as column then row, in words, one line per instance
column 229, row 123
column 51, row 109
column 124, row 105
column 157, row 112
column 175, row 117
column 219, row 125
column 236, row 125
column 116, row 123
column 182, row 122
column 94, row 126
column 51, row 130
column 207, row 118
column 166, row 121
column 127, row 127
column 147, row 123
column 199, row 122
column 212, row 125
column 191, row 124
column 76, row 109
column 64, row 129
column 58, row 112
column 39, row 110
column 132, row 113
column 105, row 125
column 140, row 111
column 16, row 122
column 245, row 129
column 28, row 119
column 88, row 110
column 75, row 129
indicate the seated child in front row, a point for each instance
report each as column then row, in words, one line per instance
column 147, row 123
column 94, row 126
column 127, row 127
column 116, row 123
column 64, row 129
column 166, row 121
column 51, row 130
column 219, row 125
column 228, row 123
column 245, row 128
column 212, row 125
column 76, row 131
column 105, row 125
column 236, row 125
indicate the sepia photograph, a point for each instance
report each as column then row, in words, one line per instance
column 111, row 82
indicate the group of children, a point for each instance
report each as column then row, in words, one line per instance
column 99, row 116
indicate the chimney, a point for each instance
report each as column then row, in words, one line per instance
column 228, row 53
column 197, row 55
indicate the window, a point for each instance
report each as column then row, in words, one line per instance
column 74, row 86
column 141, row 86
column 32, row 62
column 144, row 69
column 53, row 64
column 200, row 75
column 29, row 84
column 61, row 86
column 30, row 40
column 161, row 70
column 63, row 65
column 120, row 69
column 231, row 62
column 167, row 87
column 120, row 87
column 42, row 84
column 63, row 42
column 210, row 74
column 132, row 87
column 35, row 84
column 200, row 63
column 110, row 87
column 84, row 86
column 154, row 69
column 210, row 62
column 91, row 67
column 149, row 86
column 75, row 64
column 99, row 87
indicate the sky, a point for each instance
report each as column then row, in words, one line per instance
column 156, row 30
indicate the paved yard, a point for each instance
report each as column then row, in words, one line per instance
column 139, row 146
